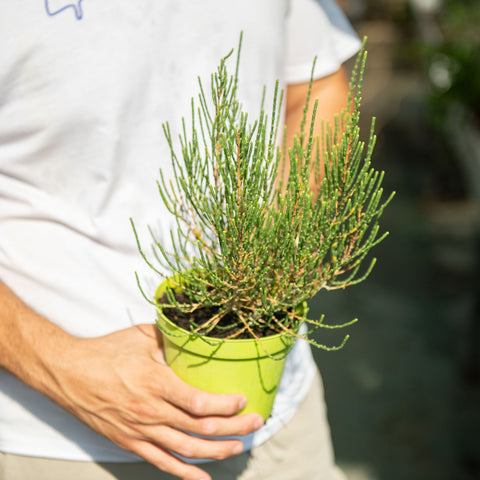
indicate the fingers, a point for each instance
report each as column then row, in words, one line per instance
column 222, row 426
column 209, row 426
column 198, row 402
column 168, row 463
column 188, row 446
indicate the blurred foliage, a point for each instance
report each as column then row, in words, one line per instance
column 454, row 63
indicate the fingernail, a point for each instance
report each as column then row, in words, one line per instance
column 242, row 403
column 237, row 449
column 258, row 423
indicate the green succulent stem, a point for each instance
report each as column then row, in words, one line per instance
column 250, row 244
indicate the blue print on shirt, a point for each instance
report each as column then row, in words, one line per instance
column 53, row 7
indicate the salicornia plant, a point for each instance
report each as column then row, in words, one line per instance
column 255, row 243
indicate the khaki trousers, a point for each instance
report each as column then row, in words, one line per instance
column 301, row 450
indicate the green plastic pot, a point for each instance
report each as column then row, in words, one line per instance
column 226, row 366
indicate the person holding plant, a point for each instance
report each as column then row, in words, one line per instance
column 84, row 89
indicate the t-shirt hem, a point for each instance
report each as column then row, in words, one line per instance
column 126, row 457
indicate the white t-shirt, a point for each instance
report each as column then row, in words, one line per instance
column 84, row 89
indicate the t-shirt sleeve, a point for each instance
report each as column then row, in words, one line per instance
column 317, row 28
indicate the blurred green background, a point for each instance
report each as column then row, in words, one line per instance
column 403, row 395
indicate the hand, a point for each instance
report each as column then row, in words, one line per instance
column 120, row 386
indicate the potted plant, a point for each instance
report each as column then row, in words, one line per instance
column 251, row 245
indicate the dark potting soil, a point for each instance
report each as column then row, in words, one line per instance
column 200, row 316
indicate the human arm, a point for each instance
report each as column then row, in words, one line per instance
column 332, row 94
column 120, row 386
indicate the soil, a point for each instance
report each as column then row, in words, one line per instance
column 200, row 316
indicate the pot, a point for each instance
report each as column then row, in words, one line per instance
column 251, row 367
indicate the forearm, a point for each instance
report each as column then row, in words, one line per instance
column 332, row 95
column 330, row 91
column 30, row 345
column 120, row 386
